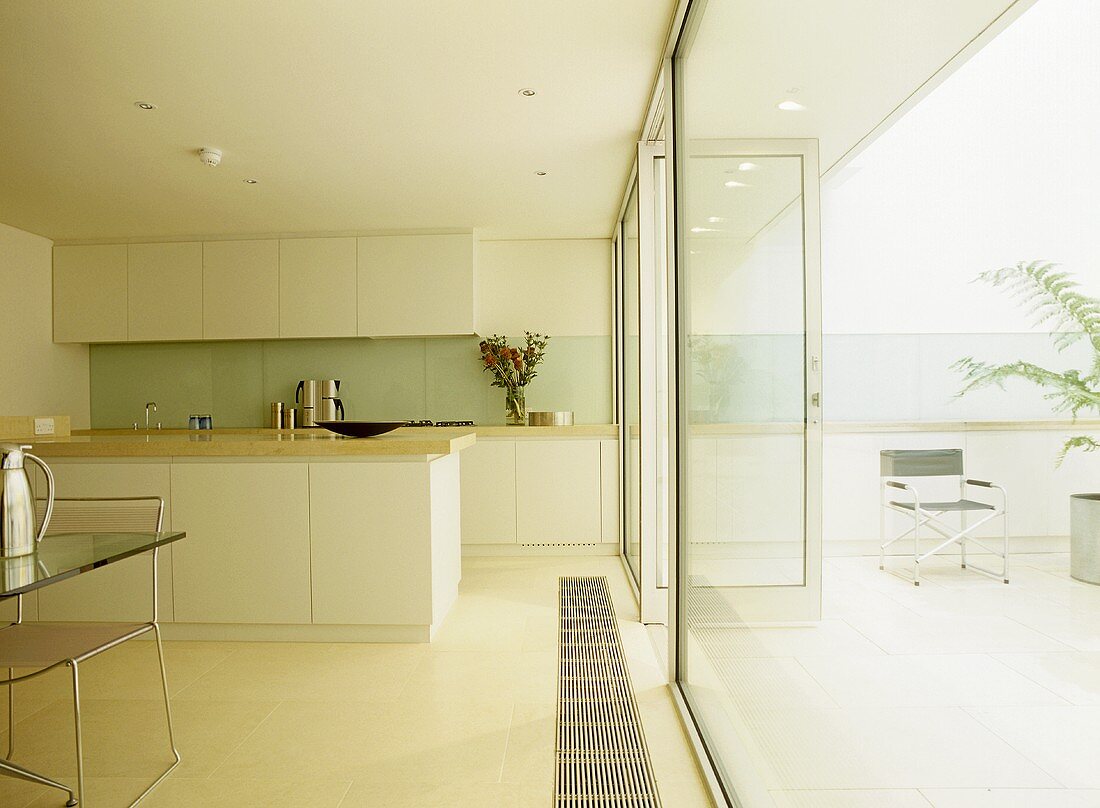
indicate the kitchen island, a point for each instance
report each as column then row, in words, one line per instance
column 293, row 535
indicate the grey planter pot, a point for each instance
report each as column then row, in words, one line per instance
column 1084, row 537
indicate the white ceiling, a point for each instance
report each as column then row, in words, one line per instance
column 373, row 116
column 354, row 115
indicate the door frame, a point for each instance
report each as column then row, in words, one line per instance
column 777, row 603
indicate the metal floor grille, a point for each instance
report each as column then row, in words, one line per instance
column 602, row 757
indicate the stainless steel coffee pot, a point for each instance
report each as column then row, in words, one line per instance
column 18, row 533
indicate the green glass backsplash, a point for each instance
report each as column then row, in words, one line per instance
column 393, row 379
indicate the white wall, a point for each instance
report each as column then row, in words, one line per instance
column 559, row 287
column 995, row 166
column 36, row 376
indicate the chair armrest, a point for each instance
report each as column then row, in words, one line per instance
column 982, row 483
column 994, row 486
column 904, row 487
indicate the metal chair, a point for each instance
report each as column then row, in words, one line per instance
column 102, row 515
column 938, row 463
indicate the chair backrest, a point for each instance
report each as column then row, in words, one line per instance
column 103, row 515
column 920, row 462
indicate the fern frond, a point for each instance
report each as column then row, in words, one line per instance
column 1083, row 442
column 1069, row 392
column 1052, row 299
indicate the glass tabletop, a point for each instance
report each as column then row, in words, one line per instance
column 65, row 555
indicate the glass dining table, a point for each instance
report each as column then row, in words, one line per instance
column 34, row 648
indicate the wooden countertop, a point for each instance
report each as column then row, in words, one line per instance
column 250, row 443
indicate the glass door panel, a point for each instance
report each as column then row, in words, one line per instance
column 630, row 416
column 750, row 322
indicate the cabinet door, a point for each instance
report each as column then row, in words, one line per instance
column 317, row 282
column 89, row 293
column 558, row 491
column 165, row 291
column 122, row 591
column 416, row 285
column 246, row 555
column 609, row 489
column 371, row 561
column 489, row 492
column 240, row 289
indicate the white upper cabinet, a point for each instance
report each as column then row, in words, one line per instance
column 89, row 293
column 165, row 291
column 416, row 285
column 317, row 280
column 240, row 289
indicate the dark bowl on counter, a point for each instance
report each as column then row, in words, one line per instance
column 361, row 429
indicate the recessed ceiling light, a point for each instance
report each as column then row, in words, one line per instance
column 251, row 180
column 747, row 167
column 790, row 106
column 527, row 92
column 705, row 230
column 144, row 105
column 716, row 219
column 735, row 184
column 540, row 173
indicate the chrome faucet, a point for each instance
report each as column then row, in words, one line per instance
column 152, row 404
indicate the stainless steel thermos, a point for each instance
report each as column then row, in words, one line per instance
column 319, row 400
column 19, row 535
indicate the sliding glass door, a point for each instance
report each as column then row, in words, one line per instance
column 748, row 401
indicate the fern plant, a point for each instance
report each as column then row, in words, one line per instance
column 1053, row 299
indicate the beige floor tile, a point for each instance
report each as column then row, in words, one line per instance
column 1011, row 798
column 366, row 794
column 448, row 742
column 860, row 748
column 958, row 634
column 128, row 738
column 939, row 680
column 277, row 671
column 494, row 676
column 1073, row 676
column 1064, row 741
column 829, row 637
column 193, row 793
column 843, row 798
column 530, row 735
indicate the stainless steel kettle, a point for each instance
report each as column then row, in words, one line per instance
column 18, row 534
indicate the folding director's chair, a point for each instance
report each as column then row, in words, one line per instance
column 938, row 463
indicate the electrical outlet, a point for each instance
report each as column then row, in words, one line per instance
column 43, row 426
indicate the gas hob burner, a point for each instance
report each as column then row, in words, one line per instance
column 426, row 422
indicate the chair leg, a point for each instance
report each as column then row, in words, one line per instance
column 1004, row 520
column 916, row 547
column 11, row 714
column 164, row 686
column 79, row 736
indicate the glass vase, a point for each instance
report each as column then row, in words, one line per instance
column 515, row 408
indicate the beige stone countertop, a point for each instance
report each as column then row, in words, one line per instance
column 250, row 443
column 575, row 431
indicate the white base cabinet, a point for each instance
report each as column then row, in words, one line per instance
column 245, row 559
column 309, row 549
column 536, row 493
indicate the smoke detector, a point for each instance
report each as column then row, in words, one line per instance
column 210, row 157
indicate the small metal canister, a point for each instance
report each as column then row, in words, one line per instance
column 290, row 418
column 277, row 414
column 559, row 418
column 194, row 422
column 206, row 422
